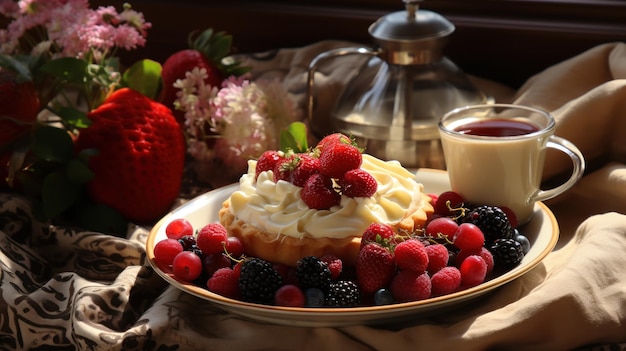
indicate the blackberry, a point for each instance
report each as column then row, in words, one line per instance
column 506, row 253
column 492, row 221
column 311, row 272
column 259, row 281
column 344, row 293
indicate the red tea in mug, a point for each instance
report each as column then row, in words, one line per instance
column 497, row 127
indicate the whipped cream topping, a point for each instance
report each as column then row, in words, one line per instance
column 278, row 208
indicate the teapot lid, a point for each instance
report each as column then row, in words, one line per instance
column 414, row 31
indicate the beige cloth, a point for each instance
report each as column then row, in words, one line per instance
column 577, row 296
column 63, row 288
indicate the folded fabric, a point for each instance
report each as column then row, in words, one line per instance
column 64, row 288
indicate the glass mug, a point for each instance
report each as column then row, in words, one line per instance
column 495, row 155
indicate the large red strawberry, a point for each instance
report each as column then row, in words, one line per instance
column 139, row 167
column 206, row 51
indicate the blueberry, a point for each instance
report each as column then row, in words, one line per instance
column 522, row 239
column 383, row 297
column 314, row 297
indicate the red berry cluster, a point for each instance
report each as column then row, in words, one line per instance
column 330, row 170
column 444, row 257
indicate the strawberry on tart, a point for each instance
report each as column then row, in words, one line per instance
column 289, row 206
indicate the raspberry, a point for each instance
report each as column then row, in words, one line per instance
column 225, row 282
column 473, row 271
column 178, row 228
column 318, row 193
column 187, row 266
column 335, row 265
column 411, row 255
column 165, row 251
column 377, row 233
column 358, row 183
column 258, row 281
column 468, row 237
column 507, row 253
column 212, row 238
column 491, row 220
column 344, row 293
column 445, row 281
column 289, row 295
column 438, row 256
column 311, row 272
column 410, row 286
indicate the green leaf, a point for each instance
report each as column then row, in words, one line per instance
column 67, row 69
column 58, row 194
column 53, row 144
column 145, row 77
column 294, row 137
column 78, row 171
column 73, row 117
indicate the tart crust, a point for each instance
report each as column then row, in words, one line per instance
column 279, row 248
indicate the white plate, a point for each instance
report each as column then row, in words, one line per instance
column 542, row 231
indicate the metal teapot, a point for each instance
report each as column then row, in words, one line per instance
column 393, row 104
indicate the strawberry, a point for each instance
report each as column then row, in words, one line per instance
column 338, row 158
column 267, row 161
column 318, row 192
column 358, row 183
column 206, row 51
column 332, row 139
column 141, row 153
column 283, row 168
column 375, row 268
column 411, row 255
column 307, row 165
column 377, row 233
column 19, row 106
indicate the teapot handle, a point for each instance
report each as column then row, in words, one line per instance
column 324, row 56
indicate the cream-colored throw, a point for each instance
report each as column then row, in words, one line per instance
column 86, row 290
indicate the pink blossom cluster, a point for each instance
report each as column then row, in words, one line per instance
column 235, row 122
column 69, row 28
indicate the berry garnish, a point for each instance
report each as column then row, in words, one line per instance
column 318, row 192
column 492, row 221
column 438, row 257
column 375, row 268
column 305, row 166
column 358, row 183
column 448, row 203
column 442, row 226
column 338, row 158
column 332, row 139
column 410, row 286
column 289, row 295
column 212, row 238
column 258, row 281
column 311, row 272
column 445, row 281
column 225, row 281
column 187, row 266
column 473, row 271
column 344, row 293
column 178, row 228
column 267, row 161
column 411, row 255
column 166, row 250
column 468, row 236
column 507, row 253
column 377, row 233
